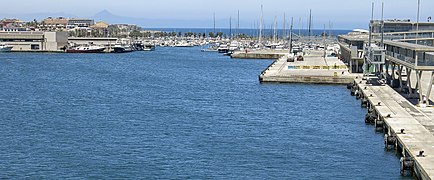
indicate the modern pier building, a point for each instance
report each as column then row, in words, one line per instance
column 35, row 41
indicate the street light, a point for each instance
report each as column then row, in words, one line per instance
column 417, row 23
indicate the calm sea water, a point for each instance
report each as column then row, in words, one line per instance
column 177, row 114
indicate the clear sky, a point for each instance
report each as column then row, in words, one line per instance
column 344, row 14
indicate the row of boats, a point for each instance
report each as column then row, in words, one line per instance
column 118, row 48
column 226, row 46
column 297, row 48
column 92, row 48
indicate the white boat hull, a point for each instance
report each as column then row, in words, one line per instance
column 5, row 49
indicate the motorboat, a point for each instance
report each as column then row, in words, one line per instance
column 86, row 49
column 234, row 46
column 119, row 48
column 5, row 48
column 212, row 48
column 148, row 47
column 183, row 44
column 223, row 48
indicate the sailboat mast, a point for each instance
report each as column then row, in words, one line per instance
column 382, row 25
column 310, row 23
column 284, row 26
column 324, row 40
column 290, row 35
column 238, row 24
column 260, row 25
column 300, row 26
column 274, row 29
column 214, row 23
column 370, row 26
column 230, row 27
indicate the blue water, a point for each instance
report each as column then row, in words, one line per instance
column 177, row 114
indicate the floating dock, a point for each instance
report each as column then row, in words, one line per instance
column 408, row 129
column 313, row 69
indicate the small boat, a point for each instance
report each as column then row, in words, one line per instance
column 5, row 48
column 183, row 44
column 228, row 53
column 86, row 49
column 208, row 50
column 234, row 46
column 119, row 48
column 212, row 48
column 148, row 47
column 223, row 48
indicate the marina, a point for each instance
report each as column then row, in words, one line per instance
column 284, row 97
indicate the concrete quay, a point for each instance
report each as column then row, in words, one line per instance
column 261, row 54
column 407, row 128
column 313, row 69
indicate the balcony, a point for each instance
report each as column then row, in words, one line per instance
column 414, row 56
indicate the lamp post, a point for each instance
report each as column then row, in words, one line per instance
column 417, row 22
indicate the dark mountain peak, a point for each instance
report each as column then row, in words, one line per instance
column 104, row 13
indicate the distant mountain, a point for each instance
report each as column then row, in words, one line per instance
column 110, row 18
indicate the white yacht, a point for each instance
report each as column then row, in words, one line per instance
column 122, row 48
column 5, row 48
column 183, row 44
column 86, row 49
column 234, row 46
column 148, row 47
column 223, row 48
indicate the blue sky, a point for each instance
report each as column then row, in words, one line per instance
column 344, row 14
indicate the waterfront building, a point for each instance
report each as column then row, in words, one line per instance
column 414, row 58
column 100, row 29
column 80, row 23
column 14, row 29
column 354, row 43
column 54, row 23
column 35, row 41
column 396, row 25
column 12, row 25
column 61, row 23
column 352, row 49
column 424, row 37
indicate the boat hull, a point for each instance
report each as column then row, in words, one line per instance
column 6, row 49
column 223, row 50
column 149, row 48
column 85, row 51
column 121, row 50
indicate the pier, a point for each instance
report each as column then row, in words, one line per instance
column 261, row 54
column 408, row 129
column 397, row 95
column 314, row 68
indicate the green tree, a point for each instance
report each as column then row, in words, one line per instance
column 211, row 34
column 219, row 34
column 135, row 34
